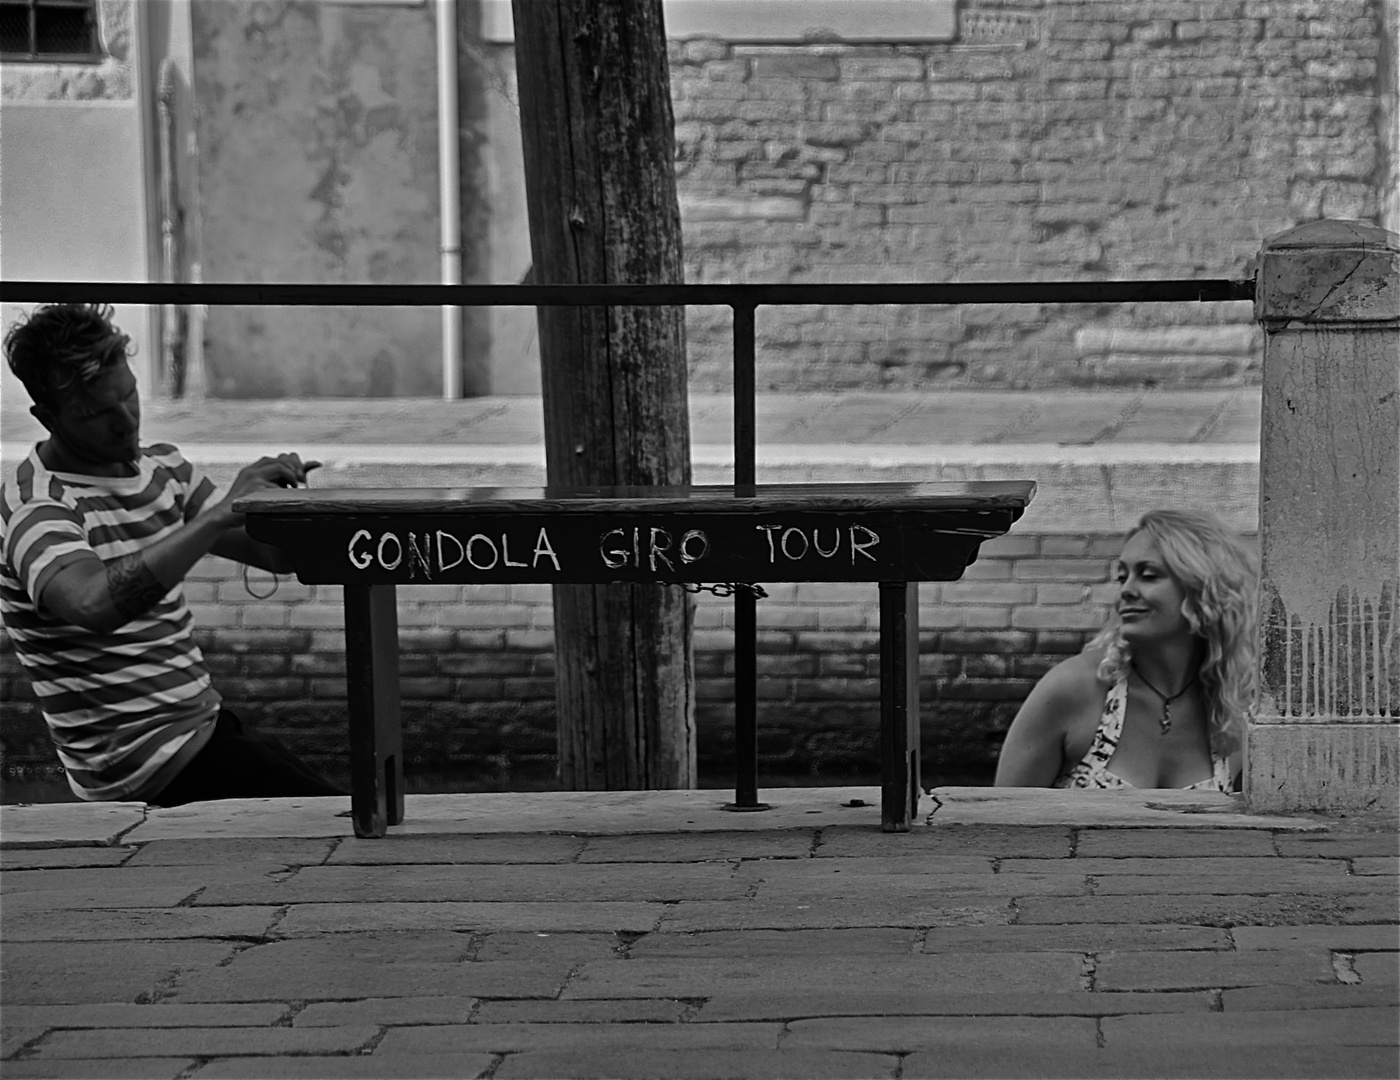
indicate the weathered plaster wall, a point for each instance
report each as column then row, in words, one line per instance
column 72, row 201
column 316, row 130
column 113, row 79
column 1063, row 139
column 1388, row 115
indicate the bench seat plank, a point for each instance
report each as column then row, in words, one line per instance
column 780, row 532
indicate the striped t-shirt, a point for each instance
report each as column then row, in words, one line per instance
column 128, row 709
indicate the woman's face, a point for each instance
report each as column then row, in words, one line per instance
column 1149, row 598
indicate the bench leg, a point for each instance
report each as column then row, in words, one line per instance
column 899, row 705
column 372, row 692
column 745, row 705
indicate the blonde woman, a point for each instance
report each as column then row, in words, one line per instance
column 1158, row 698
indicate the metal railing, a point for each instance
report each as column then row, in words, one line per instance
column 743, row 300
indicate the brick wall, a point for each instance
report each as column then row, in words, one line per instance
column 1108, row 139
column 477, row 667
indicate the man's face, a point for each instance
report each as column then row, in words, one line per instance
column 100, row 425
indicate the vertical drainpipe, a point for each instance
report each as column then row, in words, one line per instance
column 143, row 85
column 449, row 184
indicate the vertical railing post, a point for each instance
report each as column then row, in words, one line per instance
column 745, row 604
column 1324, row 737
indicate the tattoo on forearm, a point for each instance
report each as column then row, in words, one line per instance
column 132, row 586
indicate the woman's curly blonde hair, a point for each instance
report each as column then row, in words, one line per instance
column 1217, row 572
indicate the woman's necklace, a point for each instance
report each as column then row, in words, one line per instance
column 1166, row 720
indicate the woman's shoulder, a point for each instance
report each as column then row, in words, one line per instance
column 1075, row 680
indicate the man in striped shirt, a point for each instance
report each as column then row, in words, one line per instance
column 97, row 534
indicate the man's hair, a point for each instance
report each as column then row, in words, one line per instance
column 61, row 347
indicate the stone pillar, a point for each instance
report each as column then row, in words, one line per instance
column 1325, row 735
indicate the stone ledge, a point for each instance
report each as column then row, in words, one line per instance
column 624, row 812
column 1329, row 767
column 1101, row 488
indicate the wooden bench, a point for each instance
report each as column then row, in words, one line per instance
column 371, row 540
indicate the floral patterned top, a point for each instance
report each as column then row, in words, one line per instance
column 1092, row 771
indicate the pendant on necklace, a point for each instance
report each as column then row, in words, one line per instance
column 1166, row 720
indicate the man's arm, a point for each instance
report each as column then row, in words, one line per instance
column 104, row 595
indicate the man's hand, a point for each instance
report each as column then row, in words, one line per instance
column 282, row 471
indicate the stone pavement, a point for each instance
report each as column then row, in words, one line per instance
column 651, row 934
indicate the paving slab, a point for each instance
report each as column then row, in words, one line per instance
column 127, row 1015
column 517, row 1038
column 138, row 924
column 956, row 872
column 1216, row 1063
column 1084, row 938
column 349, row 966
column 263, row 981
column 1286, row 876
column 47, row 858
column 638, row 1063
column 1245, row 869
column 50, row 824
column 906, row 1034
column 142, row 1068
column 703, row 976
column 698, row 915
column 93, row 972
column 395, row 848
column 128, row 886
column 912, row 889
column 245, row 819
column 699, row 847
column 240, row 851
column 504, row 883
column 912, row 1002
column 978, row 841
column 309, row 920
column 779, row 944
column 348, row 1067
column 1206, row 909
column 110, row 1043
column 600, row 1010
column 1382, row 936
column 436, row 1009
column 16, row 1036
column 576, row 948
column 1183, row 970
column 1270, row 1028
column 1381, row 843
column 1116, row 807
column 1175, row 843
column 1377, row 969
column 1293, row 998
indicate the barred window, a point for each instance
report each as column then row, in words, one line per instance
column 49, row 31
